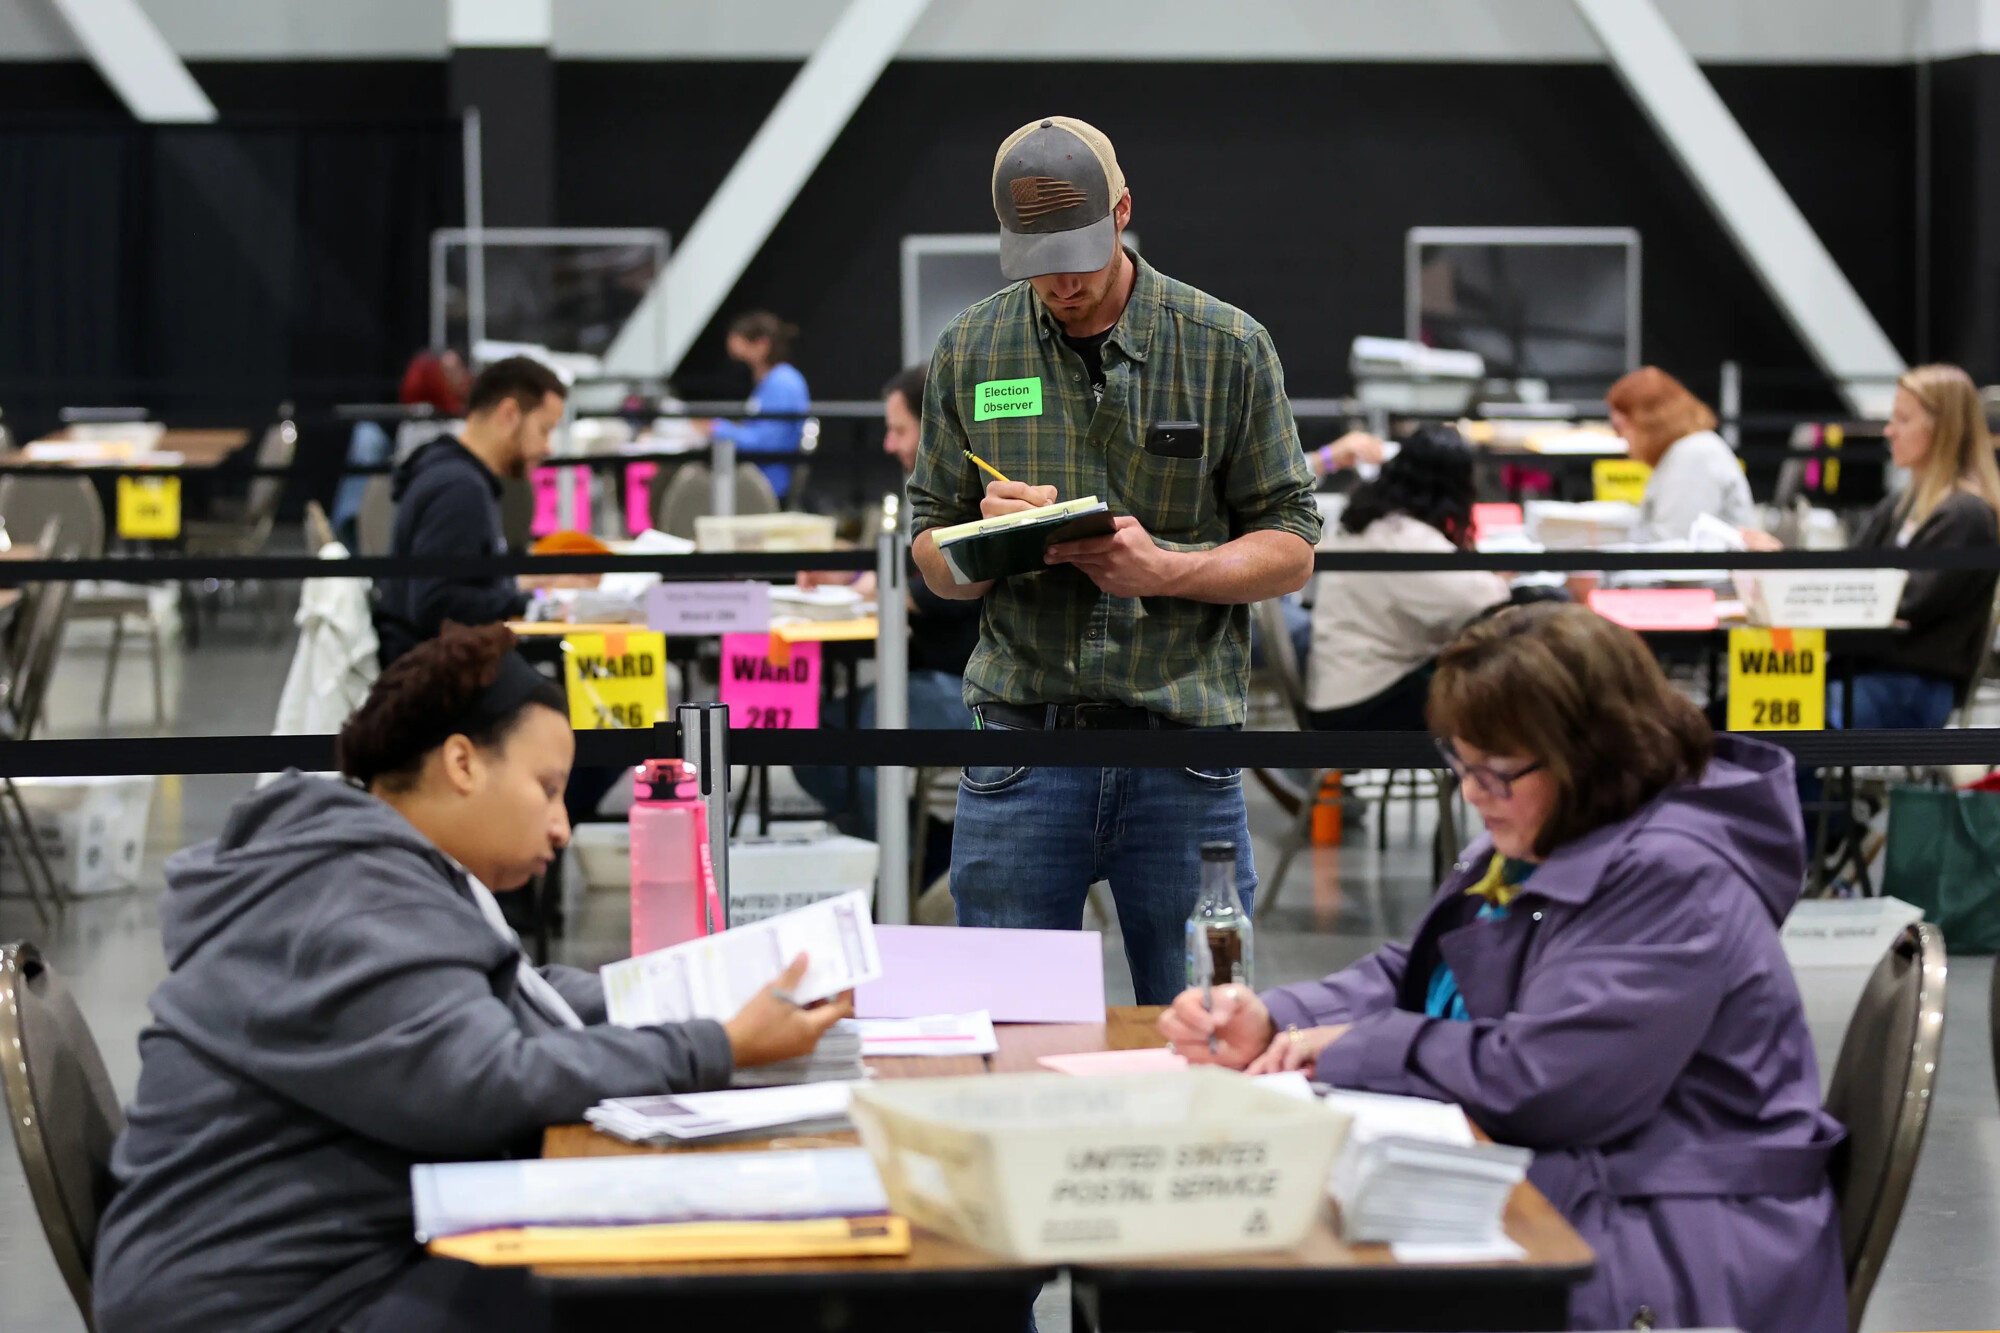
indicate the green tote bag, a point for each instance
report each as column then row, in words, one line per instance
column 1944, row 856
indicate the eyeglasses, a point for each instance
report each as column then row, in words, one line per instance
column 1498, row 785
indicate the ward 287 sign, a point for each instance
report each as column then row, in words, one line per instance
column 615, row 681
column 1777, row 679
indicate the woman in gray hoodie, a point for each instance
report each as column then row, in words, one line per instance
column 345, row 1001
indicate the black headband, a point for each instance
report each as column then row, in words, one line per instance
column 515, row 685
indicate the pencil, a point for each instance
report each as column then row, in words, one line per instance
column 987, row 467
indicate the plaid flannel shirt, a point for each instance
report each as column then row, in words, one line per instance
column 1176, row 355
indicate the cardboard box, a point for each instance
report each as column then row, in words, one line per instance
column 769, row 876
column 1053, row 1168
column 92, row 832
column 783, row 531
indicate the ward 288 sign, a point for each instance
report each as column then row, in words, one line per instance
column 1777, row 680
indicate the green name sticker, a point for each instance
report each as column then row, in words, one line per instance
column 1007, row 398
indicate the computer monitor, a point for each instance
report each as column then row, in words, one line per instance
column 942, row 275
column 1558, row 304
column 570, row 289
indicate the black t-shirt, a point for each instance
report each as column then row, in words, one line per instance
column 1091, row 349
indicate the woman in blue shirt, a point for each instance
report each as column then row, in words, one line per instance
column 763, row 342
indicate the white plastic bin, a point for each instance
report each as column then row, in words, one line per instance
column 1053, row 1168
column 92, row 831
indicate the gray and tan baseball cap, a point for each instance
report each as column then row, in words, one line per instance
column 1055, row 182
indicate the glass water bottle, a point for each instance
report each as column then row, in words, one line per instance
column 1218, row 932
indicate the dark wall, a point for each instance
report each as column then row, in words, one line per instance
column 208, row 272
column 1285, row 189
column 1965, row 194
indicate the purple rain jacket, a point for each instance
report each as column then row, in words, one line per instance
column 1634, row 1021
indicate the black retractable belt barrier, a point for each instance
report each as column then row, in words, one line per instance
column 763, row 564
column 949, row 749
column 734, row 565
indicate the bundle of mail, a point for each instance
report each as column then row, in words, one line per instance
column 837, row 1058
column 819, row 1108
column 1412, row 1173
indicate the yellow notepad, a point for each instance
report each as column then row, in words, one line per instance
column 681, row 1242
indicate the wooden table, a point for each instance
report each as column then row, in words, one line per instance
column 197, row 448
column 1323, row 1283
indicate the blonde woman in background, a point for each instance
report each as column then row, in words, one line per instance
column 1937, row 429
column 1695, row 472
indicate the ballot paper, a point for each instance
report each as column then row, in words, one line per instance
column 1380, row 1115
column 1293, row 1083
column 1499, row 1250
column 940, row 1034
column 455, row 1197
column 813, row 1108
column 716, row 975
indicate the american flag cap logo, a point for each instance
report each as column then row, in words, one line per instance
column 1035, row 197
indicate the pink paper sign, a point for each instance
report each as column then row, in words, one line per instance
column 548, row 503
column 639, row 497
column 1656, row 608
column 1150, row 1060
column 764, row 693
column 1488, row 519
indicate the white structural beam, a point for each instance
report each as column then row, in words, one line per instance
column 136, row 61
column 1761, row 218
column 762, row 185
column 501, row 23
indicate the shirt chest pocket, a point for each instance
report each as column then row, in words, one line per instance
column 1166, row 482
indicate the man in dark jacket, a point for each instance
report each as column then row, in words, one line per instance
column 448, row 503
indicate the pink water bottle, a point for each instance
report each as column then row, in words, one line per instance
column 673, row 883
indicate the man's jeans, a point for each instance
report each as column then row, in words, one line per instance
column 1029, row 843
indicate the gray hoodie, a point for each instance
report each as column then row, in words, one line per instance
column 337, row 1010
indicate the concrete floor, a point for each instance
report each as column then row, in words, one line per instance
column 1336, row 906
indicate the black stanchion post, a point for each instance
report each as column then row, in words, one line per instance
column 722, row 458
column 892, row 713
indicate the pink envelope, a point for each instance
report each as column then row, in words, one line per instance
column 1151, row 1060
column 1656, row 608
column 1488, row 519
column 1017, row 976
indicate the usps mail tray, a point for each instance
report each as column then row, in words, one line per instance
column 1054, row 1168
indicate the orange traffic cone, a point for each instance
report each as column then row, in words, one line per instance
column 1327, row 810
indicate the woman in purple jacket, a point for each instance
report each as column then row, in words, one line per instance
column 1601, row 981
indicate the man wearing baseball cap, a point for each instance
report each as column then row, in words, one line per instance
column 1094, row 374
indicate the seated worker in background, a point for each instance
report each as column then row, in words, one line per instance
column 943, row 633
column 438, row 380
column 1351, row 450
column 763, row 342
column 1600, row 981
column 448, row 503
column 1937, row 429
column 1695, row 472
column 1376, row 637
column 344, row 1002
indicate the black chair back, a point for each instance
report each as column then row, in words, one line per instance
column 60, row 1103
column 1881, row 1090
